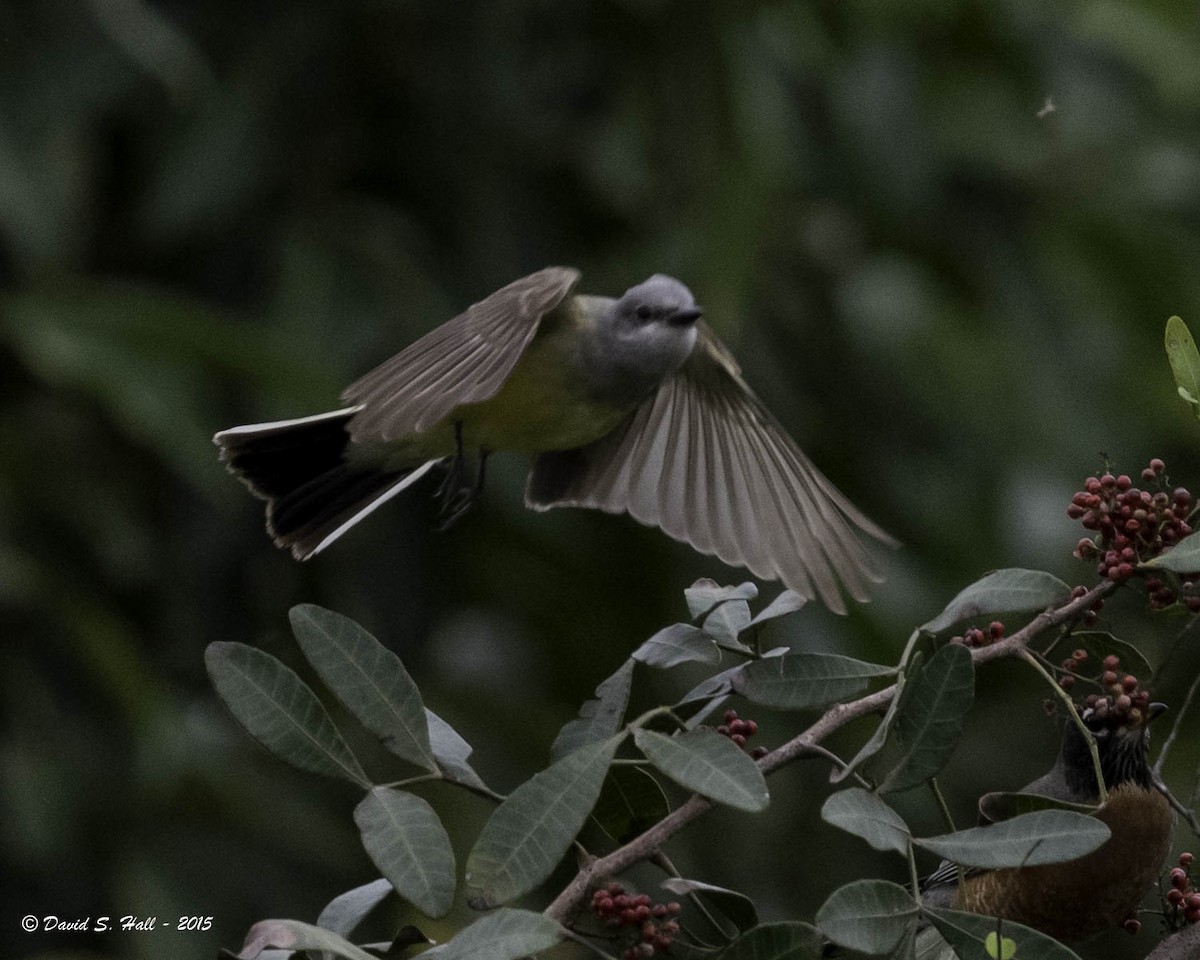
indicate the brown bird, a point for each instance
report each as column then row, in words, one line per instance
column 628, row 405
column 1073, row 900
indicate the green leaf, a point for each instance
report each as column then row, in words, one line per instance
column 727, row 621
column 777, row 941
column 294, row 935
column 931, row 717
column 799, row 681
column 527, row 835
column 409, row 845
column 346, row 911
column 712, row 765
column 504, row 934
column 865, row 815
column 451, row 752
column 997, row 806
column 787, row 602
column 883, row 729
column 868, row 915
column 968, row 934
column 1032, row 839
column 1184, row 557
column 631, row 802
column 1100, row 643
column 600, row 717
column 1012, row 590
column 738, row 907
column 368, row 678
column 1185, row 362
column 280, row 711
column 676, row 644
column 705, row 594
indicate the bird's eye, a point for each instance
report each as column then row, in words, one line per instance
column 644, row 312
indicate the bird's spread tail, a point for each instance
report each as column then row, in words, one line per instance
column 314, row 492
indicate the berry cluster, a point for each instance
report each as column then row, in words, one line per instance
column 1070, row 667
column 651, row 925
column 1183, row 901
column 975, row 637
column 1131, row 525
column 1124, row 700
column 739, row 731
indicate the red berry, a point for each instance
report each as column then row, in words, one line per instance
column 1066, row 682
column 1123, row 704
column 1111, row 662
column 1174, row 897
column 739, row 739
column 1192, row 916
column 1132, row 925
column 1185, row 859
column 1157, row 465
column 1179, row 878
column 1108, row 678
column 1129, row 683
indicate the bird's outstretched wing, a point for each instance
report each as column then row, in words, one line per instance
column 465, row 360
column 705, row 461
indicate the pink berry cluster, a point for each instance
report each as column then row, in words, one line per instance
column 651, row 926
column 975, row 637
column 1183, row 901
column 1123, row 702
column 739, row 731
column 1131, row 525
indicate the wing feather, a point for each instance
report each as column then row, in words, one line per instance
column 706, row 462
column 465, row 360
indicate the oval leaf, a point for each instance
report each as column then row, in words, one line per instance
column 409, row 845
column 737, row 907
column 800, row 681
column 630, row 803
column 1185, row 361
column 931, row 715
column 600, row 717
column 705, row 594
column 883, row 729
column 969, row 934
column 712, row 765
column 346, row 911
column 529, row 832
column 728, row 621
column 504, row 934
column 1184, row 557
column 451, row 752
column 368, row 678
column 1047, row 836
column 863, row 814
column 1002, row 591
column 676, row 644
column 279, row 710
column 786, row 603
column 294, row 935
column 777, row 941
column 868, row 915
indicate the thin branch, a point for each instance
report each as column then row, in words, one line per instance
column 1167, row 744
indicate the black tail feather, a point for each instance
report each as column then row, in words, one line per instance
column 312, row 488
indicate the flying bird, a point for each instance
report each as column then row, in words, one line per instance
column 627, row 404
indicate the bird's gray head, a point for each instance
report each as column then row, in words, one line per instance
column 659, row 300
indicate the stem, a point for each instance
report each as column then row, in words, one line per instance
column 1169, row 742
column 941, row 802
column 913, row 878
column 1070, row 704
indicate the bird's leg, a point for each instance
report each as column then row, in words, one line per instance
column 456, row 493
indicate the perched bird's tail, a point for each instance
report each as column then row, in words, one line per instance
column 314, row 491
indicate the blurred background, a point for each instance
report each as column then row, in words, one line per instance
column 942, row 238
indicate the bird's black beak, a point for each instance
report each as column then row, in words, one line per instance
column 685, row 315
column 1155, row 709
